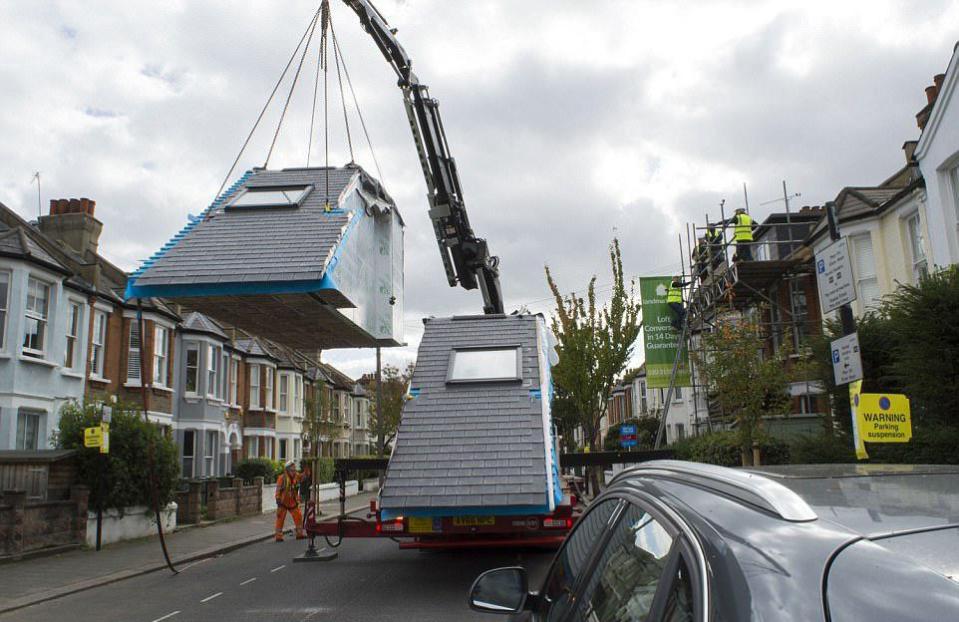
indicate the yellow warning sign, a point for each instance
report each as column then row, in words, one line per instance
column 97, row 436
column 854, row 397
column 92, row 437
column 884, row 418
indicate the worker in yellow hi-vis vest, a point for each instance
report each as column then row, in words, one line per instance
column 743, row 226
column 674, row 300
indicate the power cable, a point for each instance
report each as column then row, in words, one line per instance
column 267, row 104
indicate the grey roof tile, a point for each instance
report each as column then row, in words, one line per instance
column 260, row 245
column 470, row 445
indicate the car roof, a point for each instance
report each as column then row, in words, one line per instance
column 875, row 500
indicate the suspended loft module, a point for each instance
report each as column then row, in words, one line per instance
column 280, row 256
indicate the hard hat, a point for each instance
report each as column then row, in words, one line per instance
column 289, row 465
column 740, row 210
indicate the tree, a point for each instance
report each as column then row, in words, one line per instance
column 385, row 425
column 924, row 320
column 127, row 478
column 748, row 385
column 594, row 346
column 321, row 420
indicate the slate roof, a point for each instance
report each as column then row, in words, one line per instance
column 254, row 348
column 853, row 203
column 261, row 245
column 198, row 323
column 470, row 446
column 16, row 242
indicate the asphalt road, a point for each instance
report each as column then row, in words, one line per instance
column 372, row 580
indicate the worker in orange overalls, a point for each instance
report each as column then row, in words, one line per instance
column 288, row 500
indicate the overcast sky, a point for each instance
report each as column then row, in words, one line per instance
column 570, row 122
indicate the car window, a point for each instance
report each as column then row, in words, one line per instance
column 679, row 603
column 572, row 559
column 623, row 584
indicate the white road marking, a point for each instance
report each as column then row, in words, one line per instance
column 199, row 561
column 209, row 598
column 279, row 568
column 249, row 581
column 167, row 616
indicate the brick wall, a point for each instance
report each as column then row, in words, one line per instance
column 221, row 501
column 27, row 527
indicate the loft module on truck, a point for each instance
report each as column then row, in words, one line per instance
column 475, row 461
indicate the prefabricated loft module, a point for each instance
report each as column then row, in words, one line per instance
column 311, row 258
column 476, row 436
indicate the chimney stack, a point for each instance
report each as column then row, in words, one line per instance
column 909, row 148
column 72, row 224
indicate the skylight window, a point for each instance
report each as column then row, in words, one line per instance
column 271, row 196
column 484, row 364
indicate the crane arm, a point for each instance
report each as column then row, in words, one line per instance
column 466, row 258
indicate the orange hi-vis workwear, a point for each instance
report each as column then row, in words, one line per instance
column 288, row 500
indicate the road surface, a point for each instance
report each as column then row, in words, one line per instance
column 372, row 580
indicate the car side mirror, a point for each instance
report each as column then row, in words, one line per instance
column 502, row 590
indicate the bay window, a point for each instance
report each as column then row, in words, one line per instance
column 234, row 372
column 268, row 386
column 212, row 369
column 4, row 294
column 133, row 359
column 74, row 322
column 920, row 267
column 254, row 385
column 99, row 342
column 192, row 368
column 284, row 393
column 35, row 316
column 161, row 353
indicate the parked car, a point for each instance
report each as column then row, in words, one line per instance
column 678, row 541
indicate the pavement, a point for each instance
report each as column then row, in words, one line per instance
column 371, row 581
column 42, row 579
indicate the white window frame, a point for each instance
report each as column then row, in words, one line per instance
column 861, row 279
column 253, row 447
column 284, row 449
column 298, row 397
column 283, row 397
column 209, row 451
column 5, row 276
column 138, row 378
column 224, row 374
column 268, row 385
column 953, row 174
column 191, row 346
column 192, row 456
column 212, row 370
column 71, row 354
column 23, row 415
column 234, row 379
column 914, row 239
column 98, row 341
column 161, row 355
column 42, row 319
column 254, row 372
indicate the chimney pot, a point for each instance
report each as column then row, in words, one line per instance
column 75, row 206
column 63, row 206
column 938, row 79
column 931, row 92
column 84, row 205
column 93, row 207
column 53, row 207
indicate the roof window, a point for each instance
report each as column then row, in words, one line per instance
column 484, row 364
column 270, row 196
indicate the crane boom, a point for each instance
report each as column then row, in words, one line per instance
column 466, row 258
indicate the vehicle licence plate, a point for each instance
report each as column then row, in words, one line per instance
column 421, row 524
column 473, row 521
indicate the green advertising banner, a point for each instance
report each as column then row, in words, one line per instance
column 660, row 337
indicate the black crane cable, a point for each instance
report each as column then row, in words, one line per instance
column 268, row 101
column 296, row 76
column 339, row 77
column 151, row 450
column 356, row 103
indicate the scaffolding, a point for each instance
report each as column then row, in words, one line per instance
column 723, row 287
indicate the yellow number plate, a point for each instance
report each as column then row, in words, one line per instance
column 473, row 521
column 420, row 524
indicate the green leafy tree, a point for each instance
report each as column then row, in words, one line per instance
column 594, row 345
column 125, row 471
column 384, row 424
column 747, row 384
column 320, row 420
column 924, row 324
